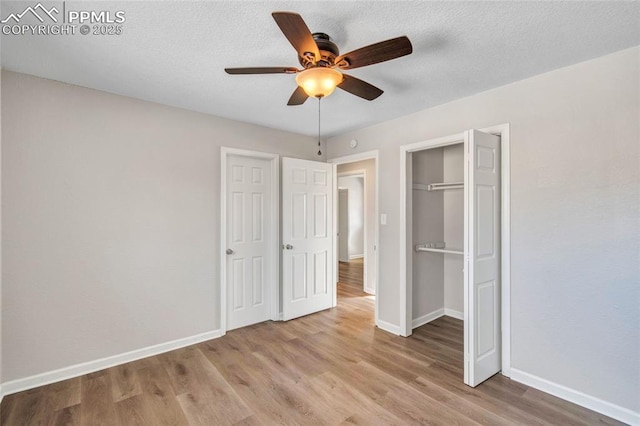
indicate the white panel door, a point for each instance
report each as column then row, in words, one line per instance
column 307, row 237
column 343, row 225
column 250, row 257
column 482, row 330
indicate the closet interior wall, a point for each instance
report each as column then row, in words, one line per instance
column 428, row 220
column 453, row 171
column 438, row 217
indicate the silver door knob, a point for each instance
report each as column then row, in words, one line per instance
column 229, row 251
column 288, row 247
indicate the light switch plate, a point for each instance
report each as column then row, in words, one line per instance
column 383, row 219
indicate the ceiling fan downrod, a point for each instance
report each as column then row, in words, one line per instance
column 319, row 150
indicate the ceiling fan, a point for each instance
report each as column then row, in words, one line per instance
column 322, row 63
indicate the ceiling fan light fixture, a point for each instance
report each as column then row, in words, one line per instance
column 319, row 82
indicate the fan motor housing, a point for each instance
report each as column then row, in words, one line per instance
column 328, row 52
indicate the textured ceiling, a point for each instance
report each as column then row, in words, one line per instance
column 174, row 53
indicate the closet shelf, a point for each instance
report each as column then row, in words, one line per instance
column 438, row 186
column 437, row 248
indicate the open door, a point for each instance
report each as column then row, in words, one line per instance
column 250, row 258
column 307, row 237
column 482, row 330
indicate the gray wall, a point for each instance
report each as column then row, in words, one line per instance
column 427, row 226
column 369, row 167
column 575, row 203
column 0, row 235
column 438, row 216
column 453, row 171
column 110, row 218
column 355, row 186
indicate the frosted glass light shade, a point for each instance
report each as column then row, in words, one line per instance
column 319, row 82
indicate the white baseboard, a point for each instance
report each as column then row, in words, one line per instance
column 1, row 394
column 369, row 291
column 388, row 327
column 435, row 315
column 70, row 372
column 417, row 322
column 608, row 409
column 356, row 256
column 454, row 314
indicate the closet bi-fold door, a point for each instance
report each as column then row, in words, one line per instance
column 482, row 329
column 307, row 237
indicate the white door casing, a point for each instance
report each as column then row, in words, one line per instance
column 372, row 278
column 250, row 261
column 307, row 237
column 482, row 292
column 369, row 259
column 502, row 321
column 343, row 225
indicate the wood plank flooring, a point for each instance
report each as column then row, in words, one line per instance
column 350, row 277
column 333, row 367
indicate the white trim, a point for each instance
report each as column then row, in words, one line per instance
column 388, row 327
column 425, row 319
column 601, row 406
column 336, row 255
column 454, row 314
column 501, row 130
column 1, row 393
column 406, row 309
column 431, row 316
column 354, row 173
column 505, row 244
column 406, row 287
column 365, row 221
column 274, row 290
column 77, row 370
column 368, row 155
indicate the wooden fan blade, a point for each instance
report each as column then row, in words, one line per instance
column 299, row 97
column 262, row 70
column 375, row 53
column 297, row 32
column 359, row 87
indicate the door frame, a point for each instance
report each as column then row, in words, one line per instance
column 406, row 283
column 274, row 283
column 365, row 203
column 336, row 161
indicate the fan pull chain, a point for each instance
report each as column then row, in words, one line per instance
column 319, row 150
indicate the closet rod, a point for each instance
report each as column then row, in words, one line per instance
column 437, row 248
column 443, row 186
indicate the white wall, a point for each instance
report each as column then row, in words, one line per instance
column 369, row 167
column 575, row 204
column 110, row 218
column 355, row 187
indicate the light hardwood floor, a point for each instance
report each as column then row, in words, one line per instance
column 333, row 367
column 350, row 277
